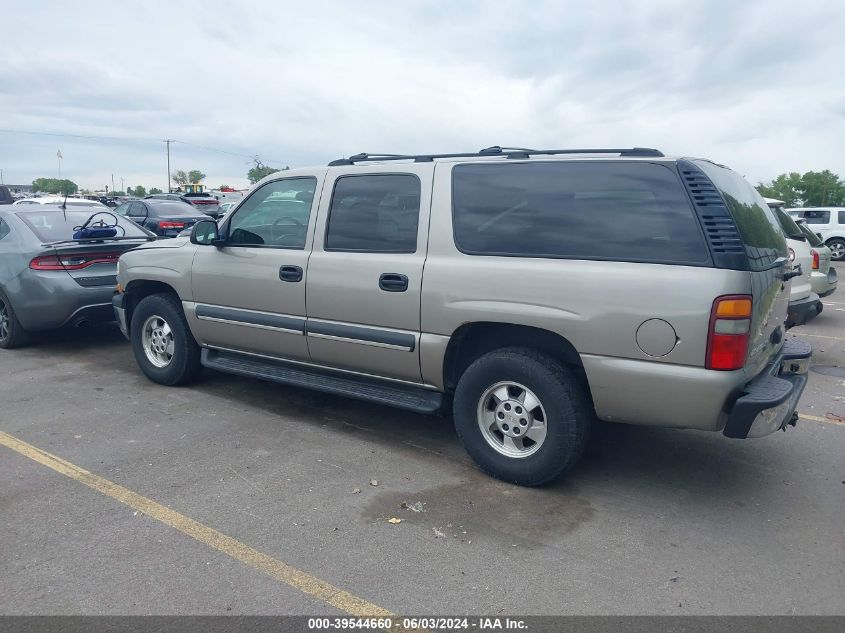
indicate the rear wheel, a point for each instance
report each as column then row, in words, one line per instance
column 162, row 343
column 522, row 416
column 837, row 248
column 12, row 333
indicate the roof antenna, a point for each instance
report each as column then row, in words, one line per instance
column 64, row 206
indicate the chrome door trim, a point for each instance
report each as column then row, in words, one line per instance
column 250, row 318
column 401, row 340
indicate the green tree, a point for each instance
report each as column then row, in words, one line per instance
column 195, row 176
column 260, row 170
column 155, row 190
column 138, row 191
column 786, row 187
column 54, row 185
column 821, row 189
column 180, row 177
column 811, row 189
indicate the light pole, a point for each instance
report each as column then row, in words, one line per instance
column 167, row 142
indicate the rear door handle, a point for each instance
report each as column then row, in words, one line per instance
column 393, row 282
column 290, row 273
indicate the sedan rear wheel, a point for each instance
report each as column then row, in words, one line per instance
column 12, row 333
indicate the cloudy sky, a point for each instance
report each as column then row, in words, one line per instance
column 755, row 85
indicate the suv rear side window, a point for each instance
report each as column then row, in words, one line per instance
column 755, row 221
column 374, row 213
column 624, row 211
column 817, row 217
column 841, row 215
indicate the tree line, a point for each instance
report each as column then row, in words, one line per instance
column 810, row 189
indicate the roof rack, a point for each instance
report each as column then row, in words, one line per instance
column 509, row 152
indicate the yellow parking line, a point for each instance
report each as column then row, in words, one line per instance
column 816, row 418
column 835, row 338
column 274, row 568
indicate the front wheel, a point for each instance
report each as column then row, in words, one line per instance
column 837, row 249
column 522, row 416
column 162, row 343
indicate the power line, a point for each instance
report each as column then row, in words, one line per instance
column 139, row 138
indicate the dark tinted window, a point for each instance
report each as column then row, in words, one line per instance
column 816, row 217
column 790, row 229
column 167, row 208
column 374, row 213
column 275, row 214
column 627, row 211
column 756, row 222
column 136, row 210
column 4, row 229
column 812, row 238
column 51, row 224
column 841, row 217
column 5, row 196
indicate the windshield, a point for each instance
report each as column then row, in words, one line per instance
column 52, row 225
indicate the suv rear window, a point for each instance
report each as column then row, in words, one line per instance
column 755, row 221
column 609, row 210
column 790, row 228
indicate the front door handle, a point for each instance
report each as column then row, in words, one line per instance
column 393, row 282
column 290, row 273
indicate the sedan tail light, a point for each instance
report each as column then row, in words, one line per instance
column 730, row 329
column 72, row 261
column 171, row 225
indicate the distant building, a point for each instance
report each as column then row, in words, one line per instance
column 26, row 189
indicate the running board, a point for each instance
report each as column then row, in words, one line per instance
column 409, row 398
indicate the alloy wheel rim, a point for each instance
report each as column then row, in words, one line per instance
column 837, row 250
column 512, row 419
column 4, row 321
column 157, row 341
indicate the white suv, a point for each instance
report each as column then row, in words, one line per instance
column 829, row 223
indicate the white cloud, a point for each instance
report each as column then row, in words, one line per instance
column 299, row 83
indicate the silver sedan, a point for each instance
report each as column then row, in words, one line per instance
column 58, row 266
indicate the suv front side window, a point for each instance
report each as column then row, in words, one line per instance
column 376, row 213
column 275, row 215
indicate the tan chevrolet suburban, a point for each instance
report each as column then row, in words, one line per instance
column 529, row 291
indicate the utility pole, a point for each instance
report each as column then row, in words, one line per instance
column 112, row 183
column 168, row 141
column 121, row 185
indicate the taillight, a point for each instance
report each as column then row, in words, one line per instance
column 171, row 225
column 791, row 255
column 730, row 329
column 72, row 261
column 815, row 255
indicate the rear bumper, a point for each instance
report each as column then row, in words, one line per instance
column 802, row 310
column 824, row 284
column 46, row 300
column 118, row 303
column 768, row 402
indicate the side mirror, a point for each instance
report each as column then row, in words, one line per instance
column 205, row 233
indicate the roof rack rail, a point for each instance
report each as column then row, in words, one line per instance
column 495, row 150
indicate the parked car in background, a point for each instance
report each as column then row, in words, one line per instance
column 5, row 195
column 69, row 201
column 49, row 279
column 823, row 278
column 559, row 286
column 166, row 218
column 804, row 304
column 829, row 223
column 205, row 202
column 225, row 207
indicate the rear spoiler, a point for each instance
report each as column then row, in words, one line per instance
column 96, row 240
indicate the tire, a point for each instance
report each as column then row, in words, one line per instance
column 163, row 345
column 564, row 410
column 837, row 249
column 12, row 333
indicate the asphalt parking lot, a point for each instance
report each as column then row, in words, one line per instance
column 653, row 521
